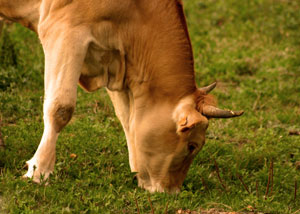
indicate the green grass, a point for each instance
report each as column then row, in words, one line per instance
column 251, row 47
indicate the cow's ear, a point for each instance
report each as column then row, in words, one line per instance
column 190, row 118
column 186, row 115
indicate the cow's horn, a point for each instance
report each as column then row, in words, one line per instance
column 213, row 112
column 208, row 88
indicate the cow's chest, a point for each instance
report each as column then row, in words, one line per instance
column 98, row 61
column 103, row 68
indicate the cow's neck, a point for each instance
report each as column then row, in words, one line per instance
column 160, row 64
column 25, row 12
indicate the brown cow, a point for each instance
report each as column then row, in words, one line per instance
column 141, row 52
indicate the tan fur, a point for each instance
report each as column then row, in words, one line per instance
column 141, row 52
column 201, row 99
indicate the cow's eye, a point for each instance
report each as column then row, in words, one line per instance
column 192, row 146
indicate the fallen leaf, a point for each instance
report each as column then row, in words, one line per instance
column 73, row 155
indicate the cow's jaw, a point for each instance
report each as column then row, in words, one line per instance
column 164, row 180
column 168, row 178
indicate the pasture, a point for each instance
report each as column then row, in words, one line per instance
column 249, row 164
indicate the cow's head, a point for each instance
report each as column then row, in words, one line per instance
column 170, row 139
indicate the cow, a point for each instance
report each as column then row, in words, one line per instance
column 141, row 52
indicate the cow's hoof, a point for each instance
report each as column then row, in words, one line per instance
column 35, row 173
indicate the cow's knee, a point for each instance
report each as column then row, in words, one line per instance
column 61, row 115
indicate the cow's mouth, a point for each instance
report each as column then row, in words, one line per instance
column 157, row 187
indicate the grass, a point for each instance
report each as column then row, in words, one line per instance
column 252, row 48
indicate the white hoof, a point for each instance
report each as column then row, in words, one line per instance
column 36, row 173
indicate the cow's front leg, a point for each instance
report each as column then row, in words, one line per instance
column 64, row 56
column 121, row 104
